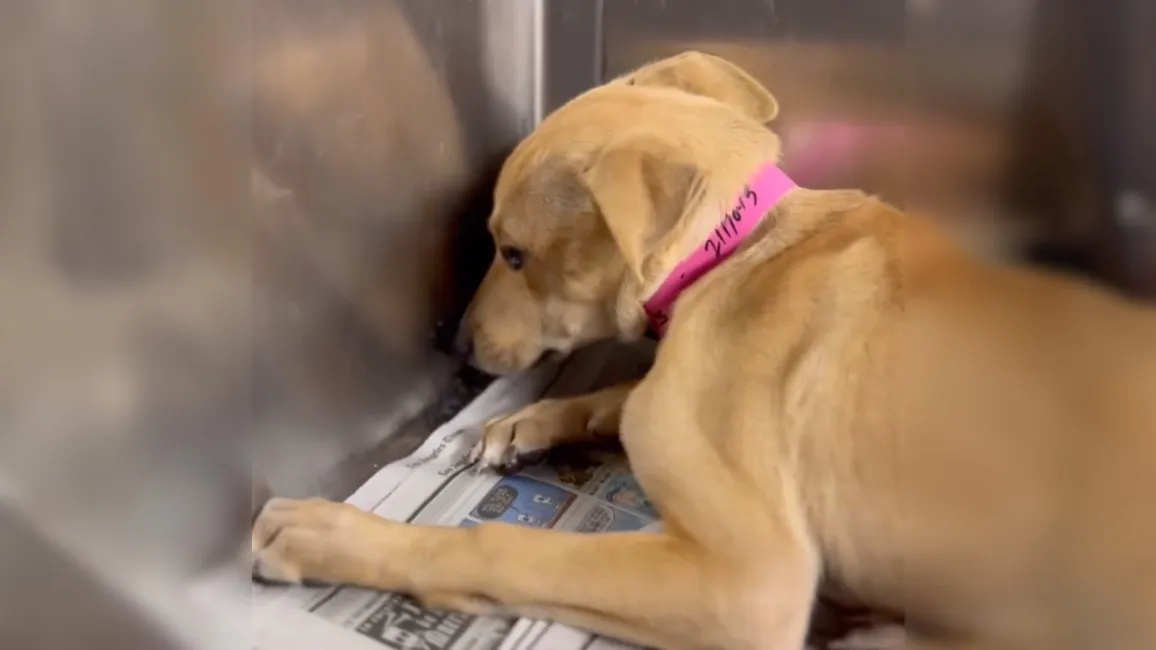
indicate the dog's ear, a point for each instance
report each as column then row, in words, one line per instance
column 641, row 191
column 707, row 75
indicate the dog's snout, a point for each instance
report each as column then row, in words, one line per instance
column 467, row 351
column 465, row 348
column 464, row 341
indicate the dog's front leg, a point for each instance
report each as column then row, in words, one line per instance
column 661, row 590
column 511, row 442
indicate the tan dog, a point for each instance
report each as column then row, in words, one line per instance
column 848, row 400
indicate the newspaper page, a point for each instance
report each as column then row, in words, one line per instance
column 436, row 485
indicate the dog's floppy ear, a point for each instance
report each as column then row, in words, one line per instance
column 707, row 75
column 642, row 191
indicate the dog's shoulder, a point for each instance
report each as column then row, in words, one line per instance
column 825, row 274
column 821, row 250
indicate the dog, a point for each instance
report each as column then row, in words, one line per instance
column 842, row 399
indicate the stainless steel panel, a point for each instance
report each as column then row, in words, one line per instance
column 1016, row 118
column 234, row 227
column 33, row 576
column 569, row 41
column 375, row 124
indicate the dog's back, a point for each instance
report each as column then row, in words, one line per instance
column 1026, row 445
column 982, row 461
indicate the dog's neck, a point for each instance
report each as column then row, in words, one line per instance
column 762, row 192
column 797, row 214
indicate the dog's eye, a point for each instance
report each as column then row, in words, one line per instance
column 515, row 257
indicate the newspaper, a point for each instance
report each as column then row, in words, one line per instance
column 589, row 492
column 437, row 485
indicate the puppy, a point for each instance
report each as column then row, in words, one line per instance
column 841, row 397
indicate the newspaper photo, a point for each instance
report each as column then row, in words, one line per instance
column 436, row 485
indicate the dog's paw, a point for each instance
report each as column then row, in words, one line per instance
column 310, row 542
column 512, row 442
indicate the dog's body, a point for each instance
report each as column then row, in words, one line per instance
column 857, row 401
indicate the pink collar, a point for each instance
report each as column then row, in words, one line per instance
column 766, row 188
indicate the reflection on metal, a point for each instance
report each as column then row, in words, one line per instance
column 33, row 577
column 1019, row 120
column 233, row 227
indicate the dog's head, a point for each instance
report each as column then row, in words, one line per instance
column 589, row 207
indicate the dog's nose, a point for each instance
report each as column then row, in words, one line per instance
column 464, row 343
column 468, row 352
